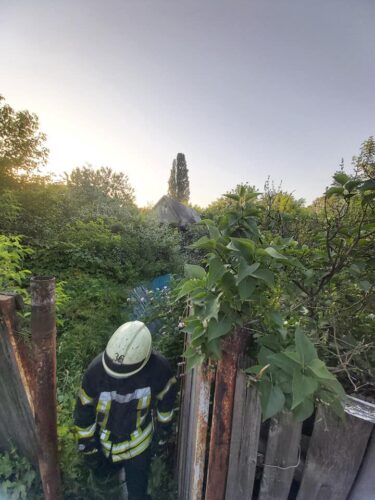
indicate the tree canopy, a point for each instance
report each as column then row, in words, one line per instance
column 172, row 182
column 102, row 180
column 22, row 144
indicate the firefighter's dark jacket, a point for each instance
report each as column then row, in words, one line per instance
column 116, row 415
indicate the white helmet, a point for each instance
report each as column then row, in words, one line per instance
column 128, row 350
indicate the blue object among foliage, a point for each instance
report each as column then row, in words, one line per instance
column 140, row 298
column 161, row 282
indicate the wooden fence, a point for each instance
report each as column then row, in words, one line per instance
column 17, row 424
column 323, row 459
column 28, row 382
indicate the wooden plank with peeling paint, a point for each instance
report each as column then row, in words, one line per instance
column 334, row 456
column 244, row 441
column 191, row 437
column 364, row 487
column 202, row 406
column 183, row 433
column 282, row 457
column 17, row 426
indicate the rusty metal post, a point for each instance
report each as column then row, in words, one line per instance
column 222, row 416
column 205, row 374
column 43, row 330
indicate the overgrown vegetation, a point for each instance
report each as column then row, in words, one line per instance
column 291, row 293
column 298, row 279
column 18, row 479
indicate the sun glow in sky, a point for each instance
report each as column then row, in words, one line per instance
column 245, row 89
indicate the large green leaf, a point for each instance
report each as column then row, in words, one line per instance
column 191, row 324
column 215, row 272
column 281, row 360
column 214, row 349
column 233, row 247
column 255, row 369
column 302, row 387
column 246, row 287
column 350, row 185
column 198, row 332
column 272, row 252
column 260, row 252
column 341, row 178
column 271, row 341
column 214, row 232
column 334, row 190
column 219, row 328
column 304, row 410
column 294, row 356
column 272, row 399
column 335, row 403
column 228, row 284
column 320, row 370
column 263, row 354
column 284, row 381
column 276, row 318
column 194, row 271
column 334, row 386
column 204, row 242
column 237, row 243
column 188, row 287
column 189, row 352
column 252, row 227
column 304, row 346
column 193, row 357
column 198, row 295
column 211, row 308
column 194, row 360
column 234, row 197
column 245, row 270
column 368, row 185
column 265, row 275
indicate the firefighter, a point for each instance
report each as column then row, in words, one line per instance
column 124, row 390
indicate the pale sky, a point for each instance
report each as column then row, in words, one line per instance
column 245, row 89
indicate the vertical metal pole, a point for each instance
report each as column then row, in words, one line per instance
column 43, row 330
column 221, row 427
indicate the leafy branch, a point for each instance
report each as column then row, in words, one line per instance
column 237, row 285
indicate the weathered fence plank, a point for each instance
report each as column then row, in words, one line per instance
column 334, row 456
column 204, row 376
column 364, row 487
column 192, row 433
column 17, row 424
column 244, row 441
column 181, row 427
column 282, row 456
column 221, row 427
column 184, row 438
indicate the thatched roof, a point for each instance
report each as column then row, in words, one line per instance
column 170, row 211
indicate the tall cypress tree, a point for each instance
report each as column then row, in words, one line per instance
column 182, row 178
column 172, row 183
column 178, row 184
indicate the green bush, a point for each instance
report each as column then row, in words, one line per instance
column 12, row 271
column 240, row 286
column 18, row 479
